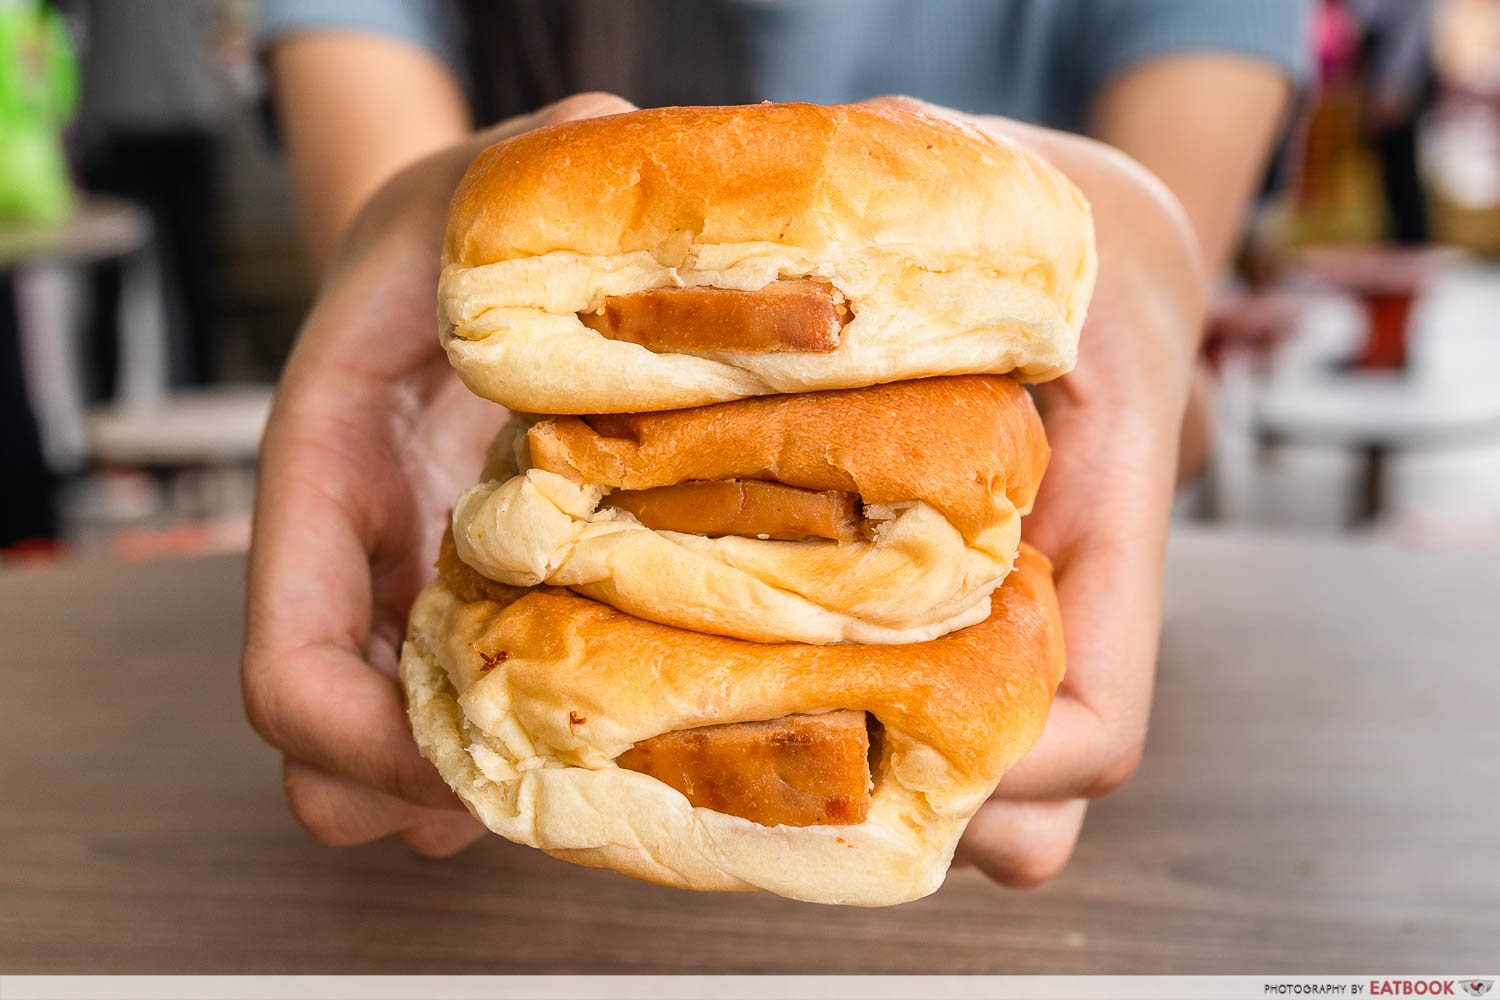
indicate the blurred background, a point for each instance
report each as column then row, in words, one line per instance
column 152, row 279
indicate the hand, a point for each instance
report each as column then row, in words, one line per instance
column 1102, row 514
column 371, row 439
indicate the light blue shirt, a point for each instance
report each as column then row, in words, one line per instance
column 1043, row 61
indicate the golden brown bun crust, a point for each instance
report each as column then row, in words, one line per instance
column 967, row 445
column 978, row 696
column 796, row 174
column 956, row 252
column 529, row 739
column 945, row 466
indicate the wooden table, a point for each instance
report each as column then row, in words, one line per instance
column 1320, row 794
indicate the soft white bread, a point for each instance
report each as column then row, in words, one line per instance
column 525, row 706
column 957, row 251
column 946, row 467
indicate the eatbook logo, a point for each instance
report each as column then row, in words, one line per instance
column 1478, row 987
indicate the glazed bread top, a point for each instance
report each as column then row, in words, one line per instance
column 525, row 700
column 956, row 251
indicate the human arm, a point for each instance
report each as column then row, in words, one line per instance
column 1205, row 124
column 354, row 108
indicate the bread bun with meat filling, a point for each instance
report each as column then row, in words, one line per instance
column 681, row 256
column 535, row 705
column 741, row 601
column 936, row 474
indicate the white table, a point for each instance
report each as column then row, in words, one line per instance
column 1445, row 404
column 221, row 425
column 1375, row 414
column 49, row 289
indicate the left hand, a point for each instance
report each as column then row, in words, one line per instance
column 371, row 439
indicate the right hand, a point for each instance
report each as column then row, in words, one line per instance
column 1114, row 425
column 371, row 440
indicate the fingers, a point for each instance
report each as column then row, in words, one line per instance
column 346, row 507
column 443, row 834
column 328, row 707
column 1003, row 126
column 1096, row 730
column 1080, row 755
column 1022, row 844
column 339, row 812
column 1108, row 576
column 307, row 687
column 900, row 102
column 420, row 193
column 593, row 104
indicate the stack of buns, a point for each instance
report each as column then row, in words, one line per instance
column 740, row 601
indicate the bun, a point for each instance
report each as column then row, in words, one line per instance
column 956, row 250
column 529, row 740
column 947, row 465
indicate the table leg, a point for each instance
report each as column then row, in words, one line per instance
column 144, row 362
column 1371, row 500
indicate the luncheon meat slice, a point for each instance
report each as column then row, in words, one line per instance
column 799, row 770
column 749, row 507
column 784, row 316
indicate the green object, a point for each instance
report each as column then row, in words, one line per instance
column 38, row 92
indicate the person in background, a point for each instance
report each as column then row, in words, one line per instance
column 28, row 516
column 1398, row 83
column 1194, row 92
column 1355, row 175
column 150, row 128
column 38, row 88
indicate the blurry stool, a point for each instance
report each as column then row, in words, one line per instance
column 1374, row 414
